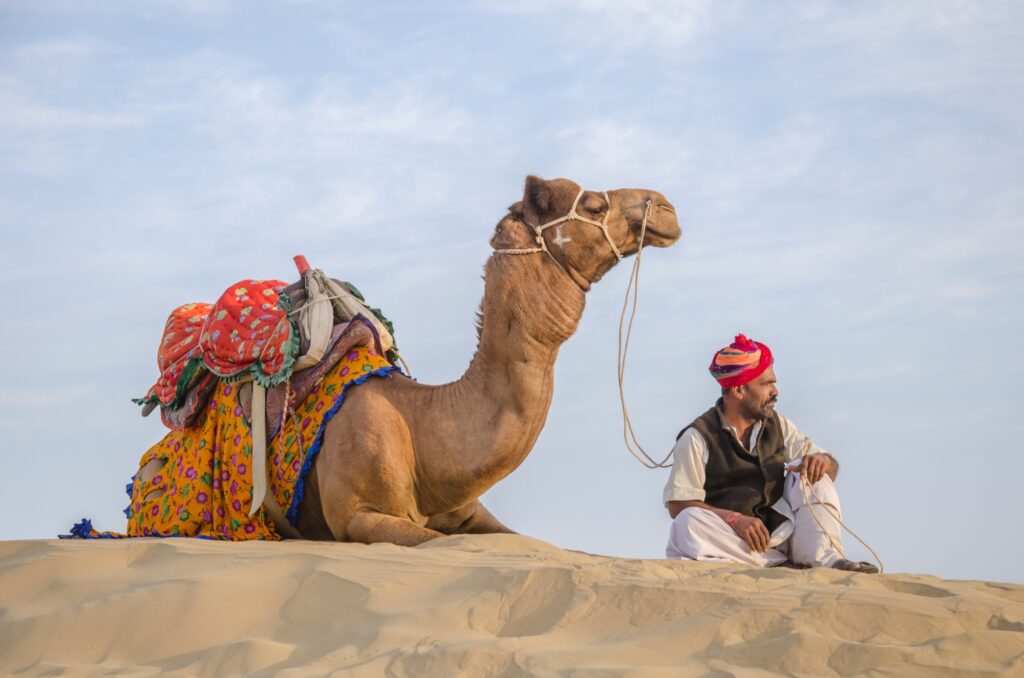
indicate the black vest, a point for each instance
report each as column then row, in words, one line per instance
column 737, row 480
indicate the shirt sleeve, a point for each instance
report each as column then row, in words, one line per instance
column 686, row 482
column 797, row 444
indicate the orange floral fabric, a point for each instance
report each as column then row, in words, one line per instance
column 205, row 487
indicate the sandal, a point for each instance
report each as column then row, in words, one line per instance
column 861, row 566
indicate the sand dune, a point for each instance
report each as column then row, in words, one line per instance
column 478, row 606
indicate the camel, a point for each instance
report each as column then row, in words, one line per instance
column 407, row 462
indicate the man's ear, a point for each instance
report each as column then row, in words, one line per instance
column 537, row 195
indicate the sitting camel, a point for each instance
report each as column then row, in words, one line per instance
column 407, row 462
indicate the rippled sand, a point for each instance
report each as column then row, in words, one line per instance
column 495, row 605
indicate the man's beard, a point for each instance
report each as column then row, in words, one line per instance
column 763, row 411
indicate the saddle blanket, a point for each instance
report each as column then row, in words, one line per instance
column 205, row 486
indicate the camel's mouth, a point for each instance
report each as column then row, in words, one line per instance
column 662, row 225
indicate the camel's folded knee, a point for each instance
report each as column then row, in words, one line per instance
column 371, row 527
column 484, row 522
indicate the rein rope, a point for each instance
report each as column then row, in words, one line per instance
column 805, row 485
column 639, row 453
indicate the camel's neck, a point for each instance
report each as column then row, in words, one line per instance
column 530, row 308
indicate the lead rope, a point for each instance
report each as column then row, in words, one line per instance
column 634, row 286
column 806, row 485
column 627, row 424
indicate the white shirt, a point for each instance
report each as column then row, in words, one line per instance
column 686, row 482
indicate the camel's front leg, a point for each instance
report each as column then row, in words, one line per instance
column 482, row 522
column 371, row 527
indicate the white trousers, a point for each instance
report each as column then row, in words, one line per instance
column 699, row 534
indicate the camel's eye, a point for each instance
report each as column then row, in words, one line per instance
column 596, row 208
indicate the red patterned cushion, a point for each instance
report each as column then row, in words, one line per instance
column 178, row 356
column 249, row 331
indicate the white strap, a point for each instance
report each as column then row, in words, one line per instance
column 273, row 509
column 259, row 446
column 348, row 305
column 320, row 301
column 260, row 495
column 316, row 320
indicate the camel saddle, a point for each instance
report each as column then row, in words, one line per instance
column 276, row 340
column 260, row 331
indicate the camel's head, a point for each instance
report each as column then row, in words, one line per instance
column 591, row 226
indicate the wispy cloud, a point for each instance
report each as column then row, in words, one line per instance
column 22, row 113
column 199, row 7
column 715, row 163
column 65, row 51
column 32, row 131
column 952, row 52
column 615, row 26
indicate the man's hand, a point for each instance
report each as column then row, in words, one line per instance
column 751, row 530
column 815, row 466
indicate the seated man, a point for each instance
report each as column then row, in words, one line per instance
column 728, row 493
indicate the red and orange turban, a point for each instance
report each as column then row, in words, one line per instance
column 741, row 361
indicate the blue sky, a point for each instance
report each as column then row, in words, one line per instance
column 848, row 177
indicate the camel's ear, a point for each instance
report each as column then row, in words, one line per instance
column 537, row 194
column 516, row 209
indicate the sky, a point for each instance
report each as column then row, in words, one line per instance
column 848, row 178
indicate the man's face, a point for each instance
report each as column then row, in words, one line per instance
column 760, row 395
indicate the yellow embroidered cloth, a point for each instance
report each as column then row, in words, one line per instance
column 205, row 487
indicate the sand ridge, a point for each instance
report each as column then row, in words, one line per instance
column 495, row 605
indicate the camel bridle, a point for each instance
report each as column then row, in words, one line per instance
column 632, row 289
column 572, row 215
